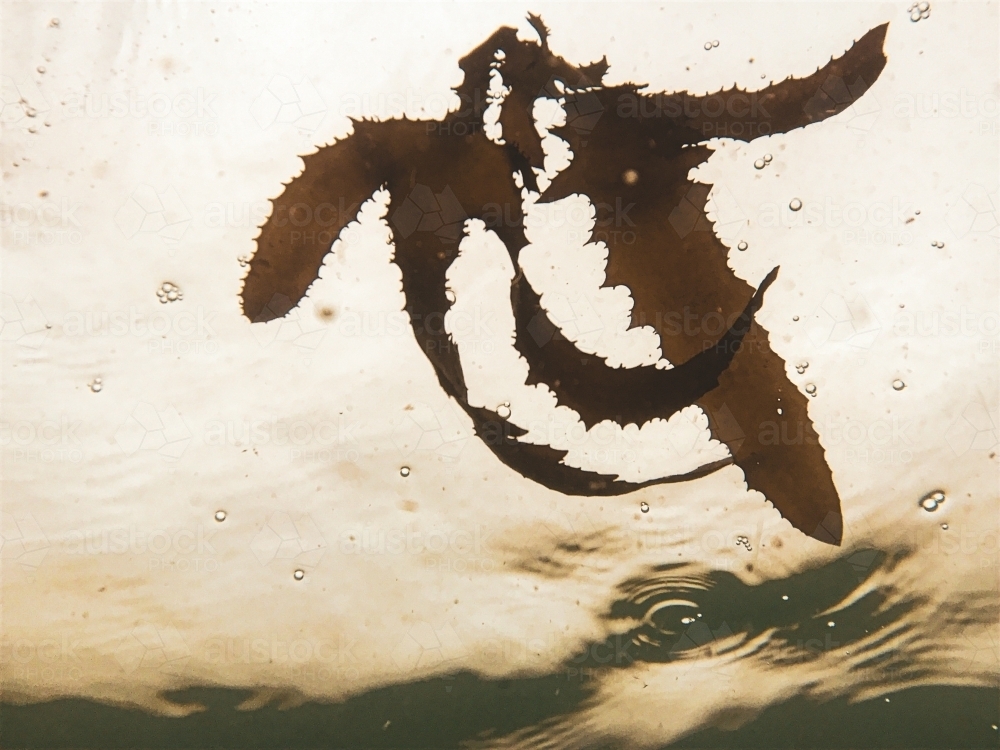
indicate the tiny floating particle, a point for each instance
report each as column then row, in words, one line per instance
column 801, row 367
column 932, row 500
column 169, row 292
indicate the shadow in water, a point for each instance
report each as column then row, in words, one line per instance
column 924, row 717
column 682, row 613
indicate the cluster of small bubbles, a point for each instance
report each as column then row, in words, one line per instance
column 932, row 500
column 742, row 246
column 244, row 261
column 795, row 204
column 298, row 575
column 937, row 243
column 687, row 620
column 811, row 389
column 644, row 506
column 761, row 163
column 96, row 385
column 711, row 44
column 169, row 293
column 503, row 411
column 449, row 295
column 801, row 367
column 919, row 11
column 745, row 542
column 898, row 385
column 220, row 515
column 405, row 471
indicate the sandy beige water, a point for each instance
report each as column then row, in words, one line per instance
column 147, row 144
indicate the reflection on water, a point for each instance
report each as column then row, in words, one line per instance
column 684, row 615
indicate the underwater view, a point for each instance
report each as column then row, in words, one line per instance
column 499, row 375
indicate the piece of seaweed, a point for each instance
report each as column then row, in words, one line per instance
column 629, row 147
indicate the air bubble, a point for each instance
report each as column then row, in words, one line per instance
column 687, row 620
column 644, row 506
column 40, row 68
column 630, row 177
column 715, row 42
column 96, row 385
column 932, row 500
column 708, row 45
column 503, row 411
column 811, row 389
column 898, row 385
column 54, row 22
column 780, row 412
column 405, row 471
column 831, row 624
column 244, row 261
column 220, row 515
column 915, row 16
column 767, row 158
column 759, row 164
column 169, row 293
column 944, row 526
column 784, row 598
column 450, row 296
column 795, row 205
column 298, row 575
column 30, row 111
column 937, row 243
column 742, row 246
column 795, row 318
